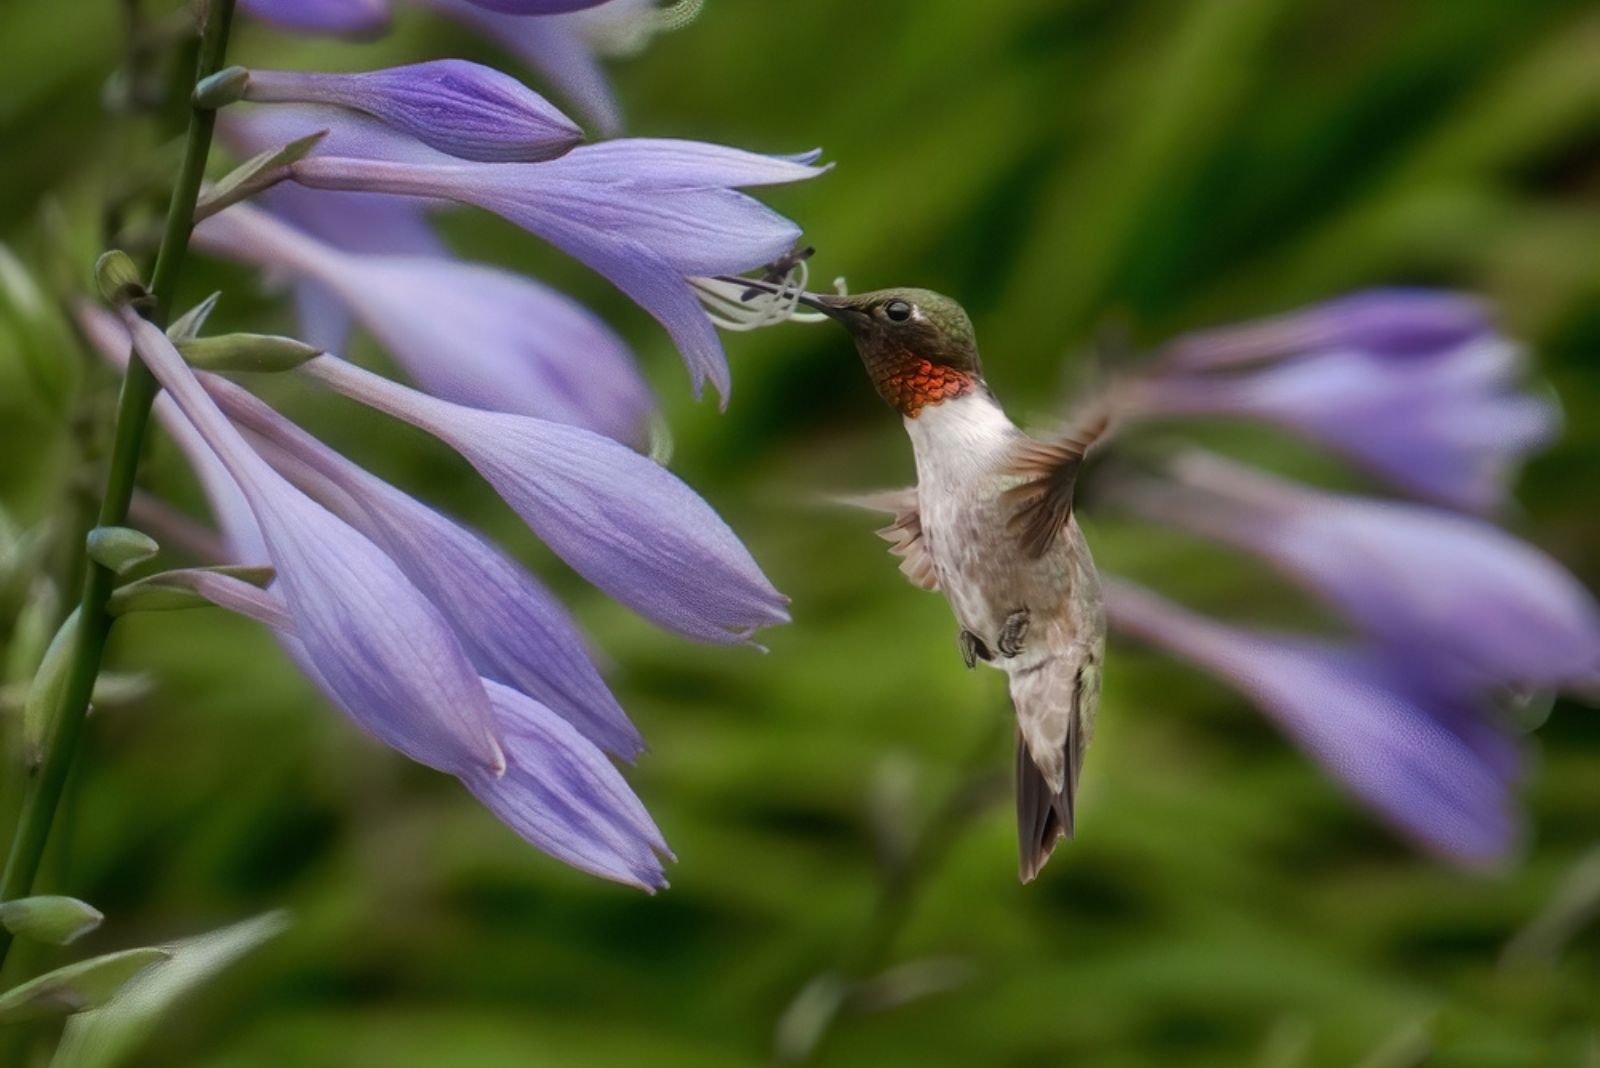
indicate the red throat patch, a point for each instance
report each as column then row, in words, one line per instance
column 909, row 382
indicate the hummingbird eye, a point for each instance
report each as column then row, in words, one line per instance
column 897, row 310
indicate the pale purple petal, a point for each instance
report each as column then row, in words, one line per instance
column 468, row 333
column 1427, row 763
column 562, row 795
column 512, row 628
column 460, row 108
column 1448, row 426
column 1454, row 591
column 1388, row 322
column 556, row 49
column 619, row 519
column 537, row 7
column 373, row 638
column 343, row 17
column 645, row 229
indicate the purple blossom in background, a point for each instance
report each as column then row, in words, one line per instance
column 1388, row 322
column 1447, row 424
column 1453, row 592
column 343, row 17
column 647, row 214
column 537, row 7
column 462, row 109
column 473, row 334
column 1428, row 762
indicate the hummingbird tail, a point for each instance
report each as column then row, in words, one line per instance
column 1044, row 816
column 1054, row 702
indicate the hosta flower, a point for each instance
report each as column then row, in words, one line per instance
column 1455, row 593
column 349, row 17
column 462, row 109
column 1389, row 322
column 1448, row 425
column 478, row 335
column 619, row 519
column 1425, row 759
column 555, row 787
column 373, row 639
column 647, row 214
column 512, row 628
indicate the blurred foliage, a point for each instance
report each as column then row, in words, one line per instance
column 1073, row 170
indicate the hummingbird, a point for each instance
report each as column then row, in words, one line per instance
column 989, row 524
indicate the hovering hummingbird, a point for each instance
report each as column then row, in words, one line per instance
column 989, row 524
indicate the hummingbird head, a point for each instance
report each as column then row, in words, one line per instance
column 918, row 346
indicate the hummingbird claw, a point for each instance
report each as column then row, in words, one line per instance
column 973, row 649
column 1012, row 633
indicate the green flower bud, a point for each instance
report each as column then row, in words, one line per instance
column 77, row 987
column 56, row 920
column 225, row 87
column 118, row 277
column 246, row 352
column 119, row 548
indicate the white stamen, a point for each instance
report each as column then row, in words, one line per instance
column 727, row 307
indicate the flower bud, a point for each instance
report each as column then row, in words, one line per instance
column 246, row 352
column 83, row 985
column 56, row 920
column 225, row 87
column 120, row 548
column 118, row 277
column 182, row 589
column 44, row 696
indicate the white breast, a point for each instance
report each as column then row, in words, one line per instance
column 961, row 443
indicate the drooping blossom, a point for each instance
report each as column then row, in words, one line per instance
column 1448, row 425
column 462, row 109
column 342, row 17
column 1388, row 322
column 469, row 333
column 556, row 788
column 647, row 214
column 372, row 637
column 513, row 629
column 1454, row 592
column 1428, row 761
column 619, row 519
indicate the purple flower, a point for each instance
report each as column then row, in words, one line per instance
column 372, row 638
column 476, row 335
column 1388, row 322
column 1453, row 592
column 537, row 7
column 1425, row 760
column 344, row 17
column 620, row 520
column 463, row 109
column 1449, row 426
column 647, row 214
column 512, row 628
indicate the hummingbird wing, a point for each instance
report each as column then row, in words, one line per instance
column 1043, row 501
column 1055, row 701
column 905, row 535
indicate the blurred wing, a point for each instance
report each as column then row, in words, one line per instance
column 905, row 535
column 1044, row 502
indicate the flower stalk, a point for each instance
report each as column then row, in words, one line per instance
column 44, row 788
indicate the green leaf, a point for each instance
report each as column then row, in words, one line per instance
column 120, row 548
column 253, row 175
column 103, row 1038
column 87, row 984
column 57, row 920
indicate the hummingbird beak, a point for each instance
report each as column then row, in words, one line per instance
column 842, row 309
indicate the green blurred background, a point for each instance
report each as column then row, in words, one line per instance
column 1067, row 168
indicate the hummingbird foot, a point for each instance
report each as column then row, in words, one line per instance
column 1012, row 633
column 973, row 649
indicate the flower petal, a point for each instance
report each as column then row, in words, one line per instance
column 344, row 17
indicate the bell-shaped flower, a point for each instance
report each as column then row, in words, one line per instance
column 1427, row 761
column 514, row 630
column 342, row 17
column 647, row 214
column 1450, row 591
column 557, row 791
column 477, row 335
column 461, row 108
column 387, row 653
column 619, row 519
column 1387, row 322
column 1449, row 426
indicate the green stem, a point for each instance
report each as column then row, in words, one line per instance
column 43, row 791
